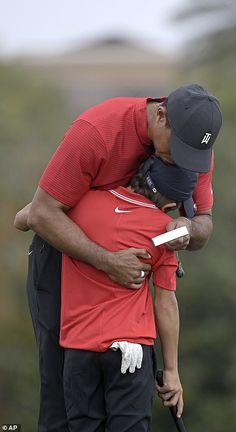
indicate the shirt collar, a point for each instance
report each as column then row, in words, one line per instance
column 132, row 197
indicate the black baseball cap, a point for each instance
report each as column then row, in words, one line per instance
column 171, row 181
column 195, row 120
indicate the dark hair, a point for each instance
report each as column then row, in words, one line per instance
column 139, row 185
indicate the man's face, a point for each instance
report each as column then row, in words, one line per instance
column 161, row 142
column 160, row 134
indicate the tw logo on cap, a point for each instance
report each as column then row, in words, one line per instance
column 206, row 138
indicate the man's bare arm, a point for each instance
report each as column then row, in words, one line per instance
column 167, row 322
column 21, row 218
column 200, row 228
column 47, row 217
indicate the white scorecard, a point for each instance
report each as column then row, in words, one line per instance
column 170, row 235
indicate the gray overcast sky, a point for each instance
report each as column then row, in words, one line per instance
column 28, row 26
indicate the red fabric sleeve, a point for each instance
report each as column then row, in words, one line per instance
column 164, row 270
column 71, row 170
column 203, row 194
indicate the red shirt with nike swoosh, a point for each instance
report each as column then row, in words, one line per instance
column 95, row 311
column 103, row 149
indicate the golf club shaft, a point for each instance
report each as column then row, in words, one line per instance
column 178, row 420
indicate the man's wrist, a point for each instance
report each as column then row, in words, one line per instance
column 103, row 260
column 189, row 224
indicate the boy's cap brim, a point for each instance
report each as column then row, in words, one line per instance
column 189, row 207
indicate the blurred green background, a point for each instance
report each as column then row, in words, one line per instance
column 40, row 96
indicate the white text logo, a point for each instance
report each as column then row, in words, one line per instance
column 206, row 138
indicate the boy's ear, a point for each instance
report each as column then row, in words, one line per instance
column 169, row 206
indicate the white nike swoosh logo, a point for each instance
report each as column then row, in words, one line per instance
column 30, row 252
column 117, row 210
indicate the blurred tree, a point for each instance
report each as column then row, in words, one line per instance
column 33, row 115
column 206, row 295
column 214, row 36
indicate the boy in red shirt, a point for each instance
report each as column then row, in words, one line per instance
column 96, row 312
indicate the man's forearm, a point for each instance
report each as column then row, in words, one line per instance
column 201, row 229
column 48, row 218
column 64, row 235
column 167, row 322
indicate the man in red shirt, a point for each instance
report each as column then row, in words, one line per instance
column 102, row 149
column 97, row 312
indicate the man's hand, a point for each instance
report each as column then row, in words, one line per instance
column 21, row 218
column 48, row 218
column 199, row 227
column 171, row 392
column 126, row 268
column 182, row 242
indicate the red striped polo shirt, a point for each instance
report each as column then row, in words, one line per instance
column 95, row 311
column 102, row 149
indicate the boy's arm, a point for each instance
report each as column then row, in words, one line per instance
column 21, row 218
column 167, row 322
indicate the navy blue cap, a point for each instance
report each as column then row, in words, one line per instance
column 171, row 181
column 195, row 120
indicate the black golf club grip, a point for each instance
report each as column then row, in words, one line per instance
column 178, row 421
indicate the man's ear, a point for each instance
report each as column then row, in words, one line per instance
column 162, row 115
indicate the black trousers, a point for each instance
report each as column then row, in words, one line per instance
column 44, row 297
column 101, row 399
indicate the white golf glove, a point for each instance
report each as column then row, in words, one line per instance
column 132, row 355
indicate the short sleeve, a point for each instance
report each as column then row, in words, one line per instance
column 164, row 270
column 203, row 194
column 75, row 164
